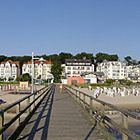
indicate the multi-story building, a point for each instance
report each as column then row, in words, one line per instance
column 135, row 73
column 114, row 69
column 42, row 69
column 75, row 67
column 9, row 70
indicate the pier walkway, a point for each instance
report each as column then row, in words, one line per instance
column 59, row 117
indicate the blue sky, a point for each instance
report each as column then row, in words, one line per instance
column 54, row 26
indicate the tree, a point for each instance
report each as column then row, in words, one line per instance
column 26, row 77
column 2, row 58
column 128, row 59
column 84, row 55
column 56, row 70
column 53, row 57
column 100, row 57
column 63, row 56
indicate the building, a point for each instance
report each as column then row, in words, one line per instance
column 134, row 75
column 9, row 70
column 75, row 67
column 114, row 69
column 75, row 80
column 89, row 77
column 42, row 69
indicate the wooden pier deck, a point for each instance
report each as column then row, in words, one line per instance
column 58, row 117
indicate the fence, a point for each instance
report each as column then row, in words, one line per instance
column 31, row 100
column 99, row 113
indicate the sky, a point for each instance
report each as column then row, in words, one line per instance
column 74, row 26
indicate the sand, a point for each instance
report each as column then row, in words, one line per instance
column 129, row 101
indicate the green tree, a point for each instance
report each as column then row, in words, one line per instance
column 56, row 70
column 53, row 57
column 2, row 58
column 100, row 57
column 84, row 55
column 26, row 77
column 110, row 81
column 128, row 59
column 63, row 56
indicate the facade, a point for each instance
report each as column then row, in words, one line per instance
column 114, row 69
column 42, row 69
column 75, row 80
column 9, row 70
column 75, row 67
column 135, row 73
column 90, row 77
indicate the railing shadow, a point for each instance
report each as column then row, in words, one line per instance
column 91, row 131
column 46, row 106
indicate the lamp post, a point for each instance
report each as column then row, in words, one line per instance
column 32, row 73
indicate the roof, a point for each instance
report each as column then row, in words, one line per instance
column 79, row 62
column 11, row 62
column 38, row 62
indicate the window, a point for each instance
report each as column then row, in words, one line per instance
column 88, row 68
column 69, row 68
column 69, row 72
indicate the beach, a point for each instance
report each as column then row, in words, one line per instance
column 130, row 102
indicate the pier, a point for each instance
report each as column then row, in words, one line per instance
column 66, row 115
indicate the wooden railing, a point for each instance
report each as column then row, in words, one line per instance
column 99, row 113
column 31, row 102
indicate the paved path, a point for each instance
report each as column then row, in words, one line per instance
column 59, row 118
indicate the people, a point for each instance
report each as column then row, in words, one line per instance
column 61, row 87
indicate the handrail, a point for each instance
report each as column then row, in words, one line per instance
column 3, row 126
column 20, row 100
column 124, row 111
column 123, row 129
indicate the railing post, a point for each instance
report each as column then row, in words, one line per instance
column 91, row 103
column 17, row 112
column 28, row 103
column 125, row 125
column 76, row 95
column 1, row 124
column 80, row 97
column 34, row 100
column 84, row 100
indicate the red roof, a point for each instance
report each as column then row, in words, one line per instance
column 38, row 62
column 11, row 62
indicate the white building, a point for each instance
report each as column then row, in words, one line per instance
column 42, row 69
column 75, row 67
column 9, row 70
column 90, row 77
column 135, row 73
column 114, row 69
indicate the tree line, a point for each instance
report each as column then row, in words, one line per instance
column 59, row 59
column 98, row 58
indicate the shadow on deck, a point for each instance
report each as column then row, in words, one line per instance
column 58, row 117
